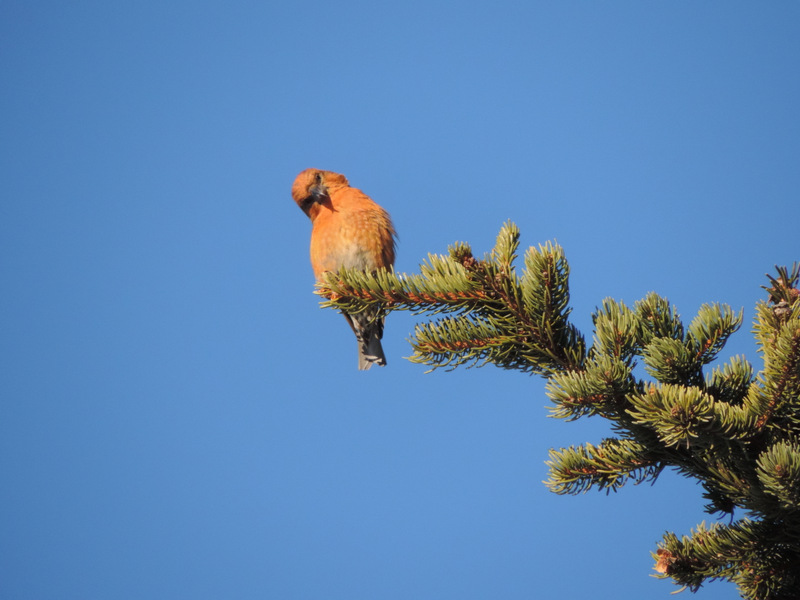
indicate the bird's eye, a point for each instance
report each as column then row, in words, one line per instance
column 317, row 178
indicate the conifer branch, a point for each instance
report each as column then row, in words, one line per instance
column 514, row 322
column 607, row 467
column 758, row 557
column 736, row 432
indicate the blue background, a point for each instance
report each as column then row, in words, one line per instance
column 179, row 419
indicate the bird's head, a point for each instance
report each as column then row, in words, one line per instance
column 311, row 189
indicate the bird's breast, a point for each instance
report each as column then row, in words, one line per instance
column 354, row 241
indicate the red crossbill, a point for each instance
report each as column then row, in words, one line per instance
column 348, row 230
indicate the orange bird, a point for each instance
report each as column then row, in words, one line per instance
column 348, row 230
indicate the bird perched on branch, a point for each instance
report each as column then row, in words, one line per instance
column 348, row 230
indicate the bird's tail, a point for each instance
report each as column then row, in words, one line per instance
column 368, row 327
column 370, row 350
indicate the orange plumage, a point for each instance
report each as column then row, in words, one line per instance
column 348, row 230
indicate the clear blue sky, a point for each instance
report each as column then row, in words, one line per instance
column 179, row 419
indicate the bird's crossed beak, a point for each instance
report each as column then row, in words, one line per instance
column 318, row 192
